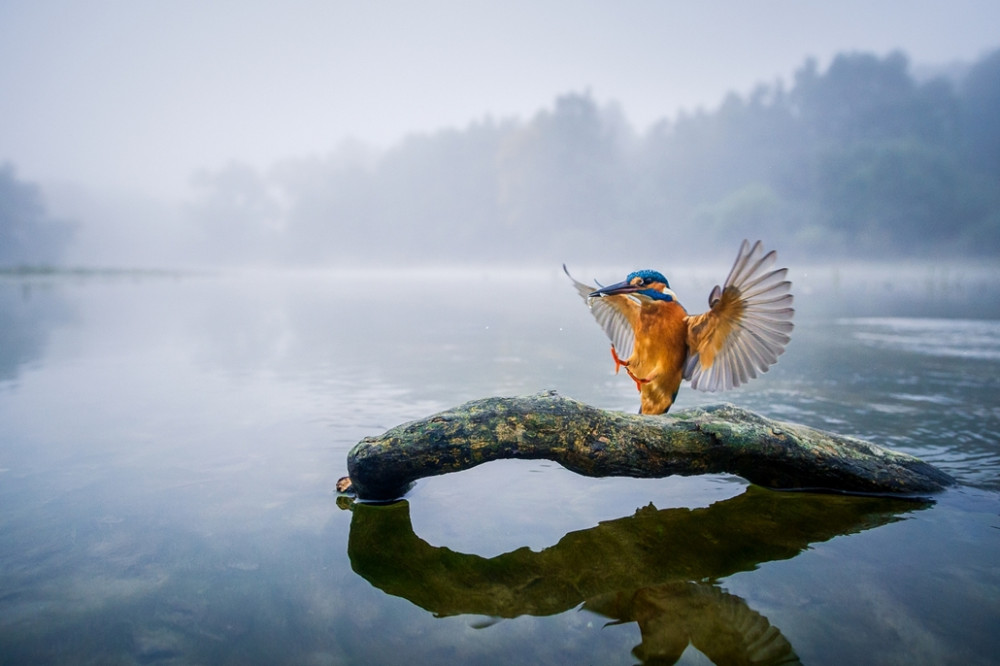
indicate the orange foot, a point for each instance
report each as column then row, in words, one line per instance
column 624, row 364
column 618, row 362
column 639, row 381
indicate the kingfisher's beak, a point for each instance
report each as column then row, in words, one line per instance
column 619, row 288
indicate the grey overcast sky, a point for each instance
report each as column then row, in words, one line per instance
column 138, row 94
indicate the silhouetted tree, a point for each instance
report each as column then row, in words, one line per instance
column 28, row 235
column 981, row 113
column 331, row 208
column 240, row 214
column 562, row 176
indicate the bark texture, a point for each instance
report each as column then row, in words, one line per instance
column 597, row 442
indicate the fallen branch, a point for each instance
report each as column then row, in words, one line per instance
column 596, row 442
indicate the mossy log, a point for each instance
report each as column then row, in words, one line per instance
column 597, row 442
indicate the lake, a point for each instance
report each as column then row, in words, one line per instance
column 169, row 444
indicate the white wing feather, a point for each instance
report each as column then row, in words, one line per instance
column 614, row 322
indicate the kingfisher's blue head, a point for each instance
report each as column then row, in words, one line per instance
column 645, row 284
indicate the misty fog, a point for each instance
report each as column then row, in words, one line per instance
column 862, row 160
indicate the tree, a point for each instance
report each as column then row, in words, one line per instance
column 28, row 235
column 562, row 176
column 981, row 114
column 900, row 194
column 240, row 215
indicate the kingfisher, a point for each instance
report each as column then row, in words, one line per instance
column 747, row 326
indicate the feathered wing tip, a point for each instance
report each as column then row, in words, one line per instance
column 749, row 323
column 581, row 288
column 611, row 314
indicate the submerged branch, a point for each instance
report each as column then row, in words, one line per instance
column 597, row 442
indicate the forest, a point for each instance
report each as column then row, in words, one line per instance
column 860, row 160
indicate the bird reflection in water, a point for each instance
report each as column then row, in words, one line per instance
column 659, row 568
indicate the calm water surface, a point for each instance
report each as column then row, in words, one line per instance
column 169, row 445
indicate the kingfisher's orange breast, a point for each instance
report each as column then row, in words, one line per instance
column 659, row 354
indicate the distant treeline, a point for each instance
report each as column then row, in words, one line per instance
column 857, row 160
column 861, row 159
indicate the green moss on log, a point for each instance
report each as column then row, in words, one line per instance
column 597, row 442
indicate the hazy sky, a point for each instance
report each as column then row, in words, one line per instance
column 140, row 93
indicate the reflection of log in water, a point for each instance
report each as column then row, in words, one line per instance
column 630, row 569
column 598, row 442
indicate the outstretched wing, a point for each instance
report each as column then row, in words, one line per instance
column 746, row 328
column 617, row 315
